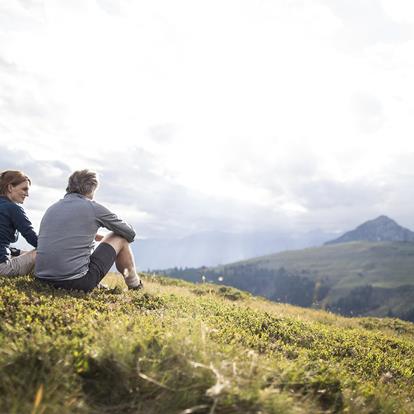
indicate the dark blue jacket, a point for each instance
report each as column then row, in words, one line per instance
column 13, row 220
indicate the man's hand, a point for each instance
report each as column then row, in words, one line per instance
column 98, row 237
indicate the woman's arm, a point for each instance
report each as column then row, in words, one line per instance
column 23, row 225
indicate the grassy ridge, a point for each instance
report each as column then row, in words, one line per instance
column 381, row 264
column 355, row 278
column 183, row 348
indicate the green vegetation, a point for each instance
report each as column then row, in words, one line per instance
column 348, row 265
column 356, row 278
column 177, row 347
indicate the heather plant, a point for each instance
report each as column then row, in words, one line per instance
column 184, row 348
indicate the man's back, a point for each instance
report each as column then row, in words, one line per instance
column 67, row 233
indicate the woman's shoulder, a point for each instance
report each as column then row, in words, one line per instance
column 7, row 205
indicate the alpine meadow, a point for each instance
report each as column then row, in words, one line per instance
column 207, row 207
column 183, row 348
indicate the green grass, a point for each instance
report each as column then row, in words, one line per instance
column 381, row 264
column 177, row 347
column 345, row 266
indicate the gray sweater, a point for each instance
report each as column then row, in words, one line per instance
column 67, row 233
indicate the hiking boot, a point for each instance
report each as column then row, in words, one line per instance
column 138, row 287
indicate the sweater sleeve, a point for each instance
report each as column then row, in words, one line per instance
column 109, row 220
column 23, row 225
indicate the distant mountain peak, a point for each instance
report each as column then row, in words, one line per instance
column 382, row 228
column 382, row 219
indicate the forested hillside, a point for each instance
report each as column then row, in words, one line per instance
column 356, row 278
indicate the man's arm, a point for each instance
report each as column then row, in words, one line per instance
column 109, row 220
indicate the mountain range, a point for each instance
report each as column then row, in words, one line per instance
column 367, row 271
column 214, row 247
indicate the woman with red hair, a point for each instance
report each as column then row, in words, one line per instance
column 14, row 188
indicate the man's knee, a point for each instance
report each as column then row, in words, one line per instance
column 116, row 237
column 116, row 241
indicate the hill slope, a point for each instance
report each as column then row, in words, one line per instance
column 356, row 278
column 382, row 264
column 184, row 348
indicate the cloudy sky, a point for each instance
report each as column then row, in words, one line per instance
column 231, row 115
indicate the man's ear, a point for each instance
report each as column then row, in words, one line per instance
column 9, row 188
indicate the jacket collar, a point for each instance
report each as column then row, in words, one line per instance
column 75, row 195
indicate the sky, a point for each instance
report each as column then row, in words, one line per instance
column 230, row 115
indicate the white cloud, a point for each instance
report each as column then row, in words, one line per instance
column 401, row 11
column 213, row 115
column 367, row 22
column 368, row 111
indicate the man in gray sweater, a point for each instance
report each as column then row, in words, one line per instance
column 67, row 236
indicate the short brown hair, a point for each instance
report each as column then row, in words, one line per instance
column 83, row 182
column 12, row 177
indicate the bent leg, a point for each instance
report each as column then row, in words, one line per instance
column 19, row 265
column 100, row 263
column 124, row 261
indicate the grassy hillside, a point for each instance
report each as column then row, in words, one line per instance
column 347, row 265
column 182, row 348
column 356, row 278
